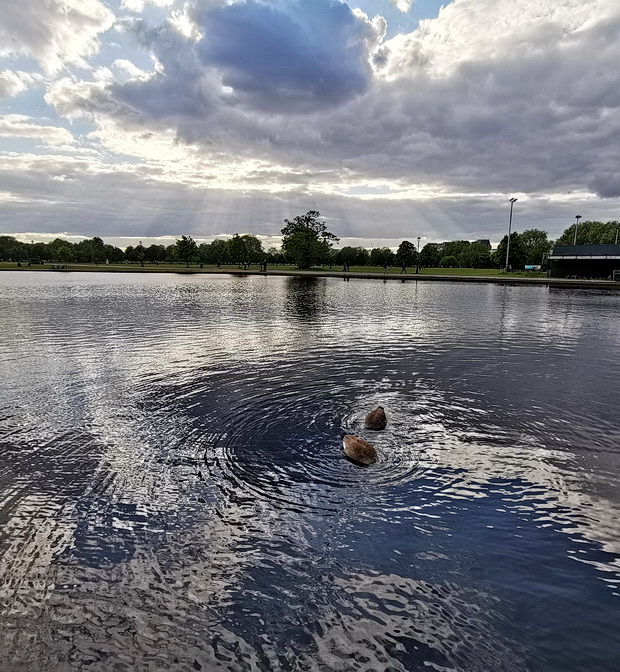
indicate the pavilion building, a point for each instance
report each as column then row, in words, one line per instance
column 584, row 261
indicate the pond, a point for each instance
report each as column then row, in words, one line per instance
column 173, row 493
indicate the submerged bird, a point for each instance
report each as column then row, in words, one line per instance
column 376, row 419
column 358, row 450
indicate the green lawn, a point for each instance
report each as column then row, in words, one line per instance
column 124, row 267
column 181, row 268
column 442, row 271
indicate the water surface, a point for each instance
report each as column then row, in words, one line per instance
column 173, row 493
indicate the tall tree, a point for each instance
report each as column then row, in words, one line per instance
column 90, row 251
column 306, row 240
column 381, row 255
column 236, row 249
column 406, row 253
column 517, row 256
column 186, row 249
column 253, row 249
column 535, row 245
column 155, row 253
column 219, row 252
column 429, row 255
column 114, row 254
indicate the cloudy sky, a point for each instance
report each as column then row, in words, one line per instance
column 144, row 119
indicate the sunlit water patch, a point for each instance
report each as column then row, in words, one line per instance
column 173, row 492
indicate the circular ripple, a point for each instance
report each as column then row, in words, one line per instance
column 286, row 447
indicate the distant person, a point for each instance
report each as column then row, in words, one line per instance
column 219, row 264
column 345, row 267
column 263, row 266
column 403, row 268
column 385, row 266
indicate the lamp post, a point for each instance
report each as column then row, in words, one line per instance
column 577, row 217
column 417, row 259
column 512, row 202
column 617, row 229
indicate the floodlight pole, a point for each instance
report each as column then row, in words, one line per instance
column 512, row 202
column 417, row 259
column 577, row 217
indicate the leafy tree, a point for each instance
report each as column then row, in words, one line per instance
column 354, row 256
column 39, row 252
column 6, row 243
column 219, row 252
column 381, row 255
column 253, row 249
column 430, row 255
column 203, row 253
column 480, row 259
column 186, row 249
column 236, row 249
column 306, row 240
column 591, row 233
column 63, row 251
column 456, row 248
column 19, row 252
column 406, row 254
column 155, row 253
column 171, row 254
column 517, row 252
column 274, row 256
column 90, row 251
column 114, row 254
column 449, row 261
column 535, row 245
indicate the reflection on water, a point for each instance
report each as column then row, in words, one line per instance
column 173, row 493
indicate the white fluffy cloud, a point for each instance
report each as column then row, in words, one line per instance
column 20, row 126
column 54, row 32
column 402, row 5
column 14, row 82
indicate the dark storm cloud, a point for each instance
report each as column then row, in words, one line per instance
column 180, row 89
column 290, row 57
column 606, row 185
column 293, row 56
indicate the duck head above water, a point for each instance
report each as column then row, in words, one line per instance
column 376, row 419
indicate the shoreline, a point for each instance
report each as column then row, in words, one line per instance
column 563, row 283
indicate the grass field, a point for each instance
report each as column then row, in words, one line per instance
column 195, row 268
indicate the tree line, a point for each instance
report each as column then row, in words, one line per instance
column 185, row 250
column 307, row 242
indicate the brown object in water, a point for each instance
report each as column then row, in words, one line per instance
column 376, row 419
column 358, row 450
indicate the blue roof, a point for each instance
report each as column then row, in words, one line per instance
column 586, row 251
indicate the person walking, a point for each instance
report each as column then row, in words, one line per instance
column 403, row 268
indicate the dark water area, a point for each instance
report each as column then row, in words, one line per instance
column 173, row 494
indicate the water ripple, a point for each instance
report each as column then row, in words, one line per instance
column 173, row 492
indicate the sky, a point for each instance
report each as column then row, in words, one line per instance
column 396, row 119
